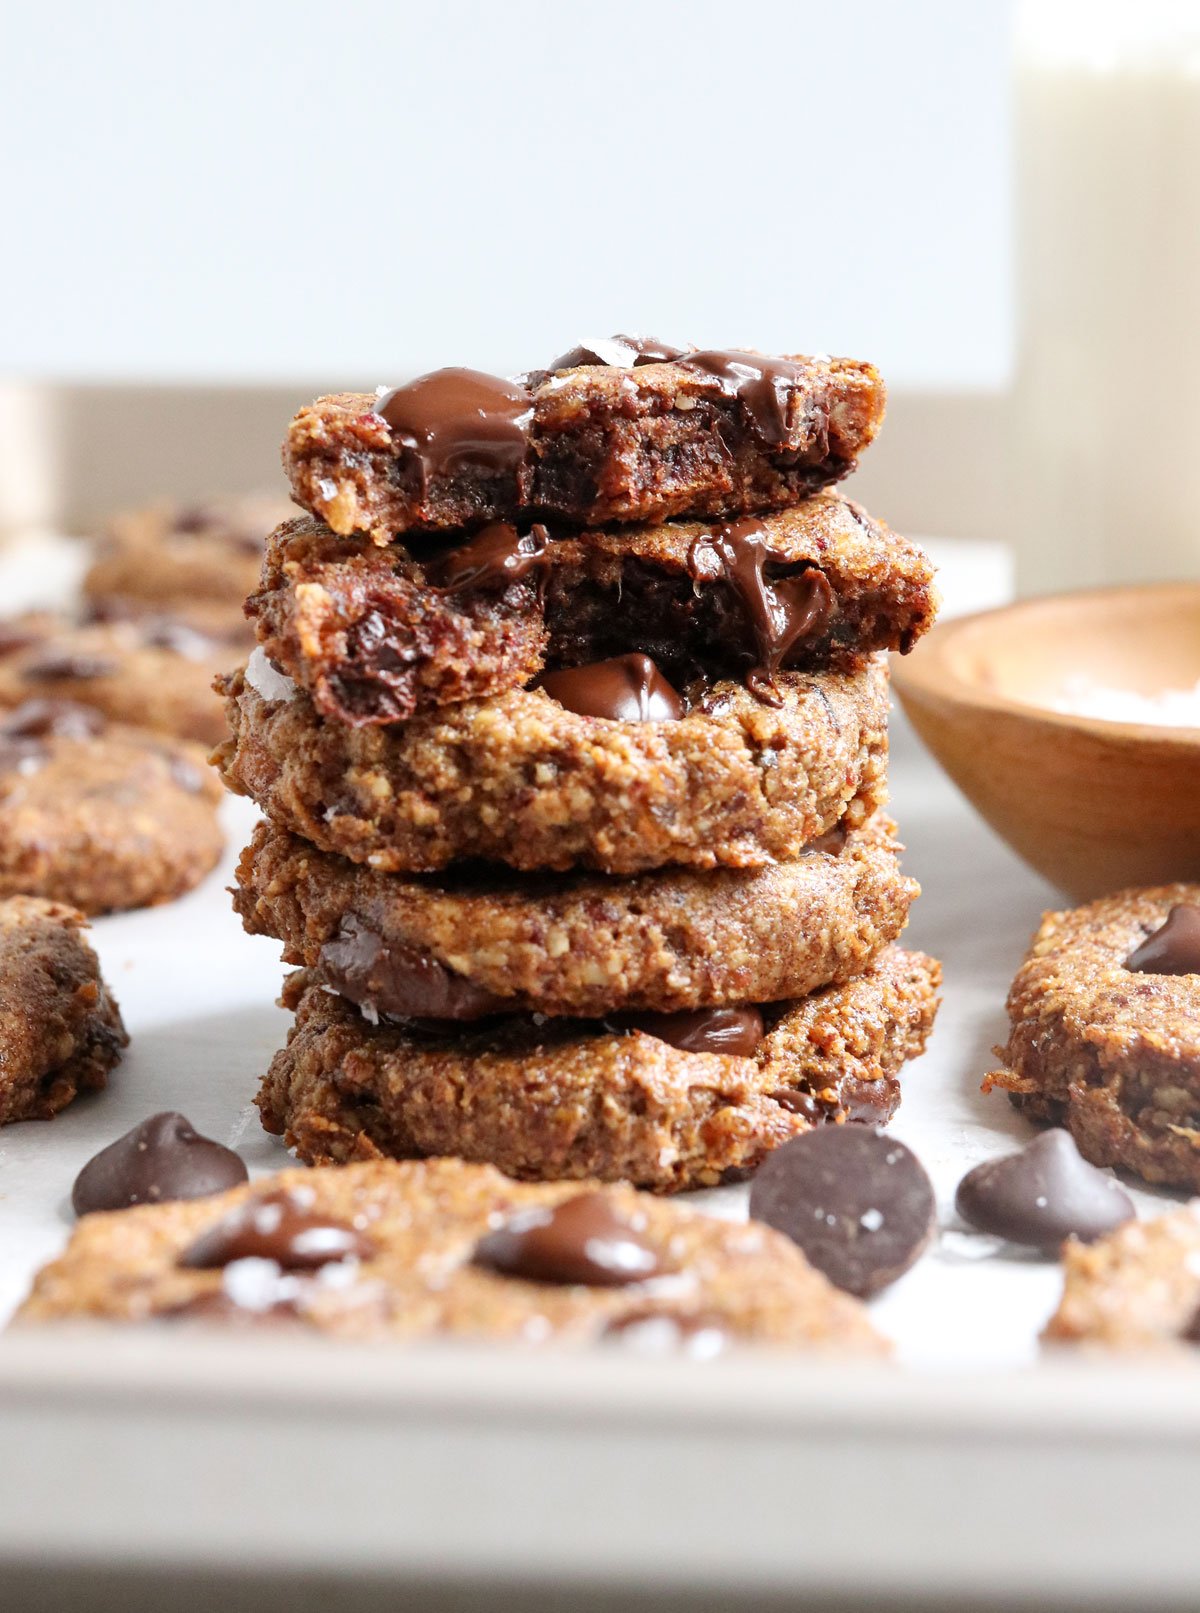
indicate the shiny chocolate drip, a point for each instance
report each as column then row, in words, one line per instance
column 584, row 1239
column 495, row 557
column 402, row 982
column 618, row 352
column 629, row 688
column 276, row 1226
column 761, row 384
column 456, row 417
column 735, row 1032
column 783, row 611
column 1174, row 948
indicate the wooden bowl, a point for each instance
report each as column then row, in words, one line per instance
column 1092, row 804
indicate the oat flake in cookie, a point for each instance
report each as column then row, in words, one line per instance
column 1104, row 1034
column 406, row 1242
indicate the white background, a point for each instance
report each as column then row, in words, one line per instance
column 268, row 190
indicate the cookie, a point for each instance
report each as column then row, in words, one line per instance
column 186, row 558
column 714, row 433
column 465, row 946
column 375, row 634
column 60, row 1030
column 445, row 1250
column 584, row 1098
column 1138, row 1288
column 1105, row 1046
column 100, row 815
column 153, row 671
column 520, row 779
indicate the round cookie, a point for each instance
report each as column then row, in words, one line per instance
column 1109, row 1051
column 462, row 948
column 422, row 1237
column 581, row 1099
column 520, row 779
column 152, row 671
column 100, row 815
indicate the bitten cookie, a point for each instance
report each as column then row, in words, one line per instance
column 1138, row 1288
column 374, row 634
column 60, row 1030
column 467, row 946
column 521, row 779
column 100, row 815
column 713, row 433
column 574, row 1098
column 444, row 1249
column 1105, row 1031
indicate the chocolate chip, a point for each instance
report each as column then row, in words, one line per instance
column 495, row 557
column 629, row 688
column 856, row 1201
column 1174, row 948
column 387, row 977
column 798, row 1103
column 581, row 1240
column 277, row 1226
column 735, row 1032
column 60, row 665
column 454, row 418
column 60, row 719
column 163, row 1158
column 1043, row 1195
column 649, row 1332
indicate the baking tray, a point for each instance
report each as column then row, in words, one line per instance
column 972, row 1471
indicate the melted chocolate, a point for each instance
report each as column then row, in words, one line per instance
column 163, row 1158
column 276, row 1226
column 620, row 352
column 629, row 688
column 581, row 1240
column 497, row 556
column 735, row 1032
column 454, row 417
column 797, row 1102
column 761, row 384
column 402, row 982
column 783, row 612
column 1174, row 948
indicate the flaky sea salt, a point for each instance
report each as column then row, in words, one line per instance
column 1169, row 708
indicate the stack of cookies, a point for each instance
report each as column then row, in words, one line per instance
column 568, row 717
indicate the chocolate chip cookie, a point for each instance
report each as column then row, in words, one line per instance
column 374, row 634
column 1105, row 1031
column 98, row 814
column 468, row 945
column 443, row 1249
column 719, row 432
column 60, row 1030
column 667, row 1101
column 521, row 779
column 1138, row 1288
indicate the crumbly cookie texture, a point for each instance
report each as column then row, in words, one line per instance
column 573, row 1099
column 150, row 671
column 373, row 636
column 424, row 1222
column 117, row 820
column 521, row 780
column 60, row 1029
column 1138, row 1288
column 605, row 444
column 585, row 944
column 1109, row 1053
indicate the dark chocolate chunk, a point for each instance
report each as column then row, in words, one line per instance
column 797, row 1102
column 402, row 982
column 758, row 382
column 277, row 1226
column 1174, row 948
column 56, row 665
column 735, row 1032
column 620, row 352
column 164, row 1158
column 1043, row 1195
column 581, row 1240
column 856, row 1201
column 653, row 1332
column 497, row 556
column 456, row 418
column 629, row 688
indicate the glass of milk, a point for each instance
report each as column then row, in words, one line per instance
column 1107, row 459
